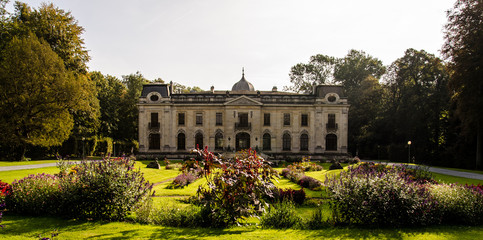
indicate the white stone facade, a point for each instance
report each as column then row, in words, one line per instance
column 275, row 123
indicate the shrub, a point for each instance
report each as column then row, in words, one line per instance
column 459, row 204
column 182, row 180
column 317, row 220
column 295, row 196
column 5, row 189
column 238, row 190
column 280, row 215
column 35, row 195
column 172, row 216
column 107, row 189
column 309, row 182
column 335, row 165
column 383, row 199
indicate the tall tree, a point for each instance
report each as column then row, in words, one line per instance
column 359, row 74
column 36, row 94
column 464, row 49
column 416, row 102
column 319, row 70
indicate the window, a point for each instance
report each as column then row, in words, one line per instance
column 154, row 141
column 304, row 120
column 304, row 142
column 154, row 97
column 287, row 142
column 331, row 142
column 181, row 119
column 243, row 119
column 219, row 141
column 266, row 119
column 181, row 141
column 199, row 119
column 219, row 119
column 286, row 119
column 331, row 122
column 267, row 142
column 199, row 141
column 154, row 121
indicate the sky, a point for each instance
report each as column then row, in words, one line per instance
column 207, row 43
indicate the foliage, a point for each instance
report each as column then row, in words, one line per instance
column 182, row 180
column 305, row 165
column 463, row 37
column 280, row 215
column 335, row 165
column 31, row 109
column 459, row 204
column 5, row 190
column 309, row 182
column 319, row 70
column 170, row 216
column 107, row 189
column 295, row 196
column 237, row 190
column 35, row 195
column 374, row 196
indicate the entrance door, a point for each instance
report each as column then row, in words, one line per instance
column 242, row 141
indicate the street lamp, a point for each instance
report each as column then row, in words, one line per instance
column 409, row 152
column 83, row 148
column 114, row 149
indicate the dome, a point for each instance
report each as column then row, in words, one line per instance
column 243, row 84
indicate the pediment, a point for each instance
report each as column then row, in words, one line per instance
column 243, row 101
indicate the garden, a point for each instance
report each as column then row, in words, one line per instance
column 209, row 197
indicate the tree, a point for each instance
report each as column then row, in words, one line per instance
column 463, row 47
column 37, row 93
column 179, row 88
column 416, row 102
column 319, row 70
column 359, row 74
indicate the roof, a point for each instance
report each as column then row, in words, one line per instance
column 243, row 84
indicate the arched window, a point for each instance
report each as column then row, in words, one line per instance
column 304, row 142
column 287, row 142
column 199, row 141
column 219, row 141
column 154, row 141
column 267, row 142
column 181, row 141
column 331, row 142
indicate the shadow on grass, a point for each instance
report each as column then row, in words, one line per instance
column 20, row 227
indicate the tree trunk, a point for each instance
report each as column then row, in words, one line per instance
column 479, row 144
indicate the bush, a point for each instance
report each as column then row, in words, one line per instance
column 171, row 216
column 238, row 190
column 317, row 220
column 107, row 189
column 35, row 195
column 382, row 199
column 335, row 165
column 280, row 215
column 309, row 182
column 5, row 189
column 459, row 204
column 182, row 180
column 295, row 196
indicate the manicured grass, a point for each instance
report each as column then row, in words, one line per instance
column 17, row 163
column 10, row 176
column 156, row 175
column 442, row 178
column 21, row 227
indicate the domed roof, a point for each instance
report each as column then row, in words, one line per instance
column 243, row 84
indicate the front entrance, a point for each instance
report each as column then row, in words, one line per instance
column 242, row 141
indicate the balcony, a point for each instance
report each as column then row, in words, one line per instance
column 332, row 127
column 153, row 126
column 243, row 126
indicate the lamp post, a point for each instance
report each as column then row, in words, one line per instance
column 409, row 152
column 114, row 149
column 83, row 148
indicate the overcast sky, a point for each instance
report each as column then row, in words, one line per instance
column 205, row 43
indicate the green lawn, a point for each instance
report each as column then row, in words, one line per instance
column 21, row 227
column 17, row 163
column 10, row 176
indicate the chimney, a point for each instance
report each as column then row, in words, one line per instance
column 212, row 89
column 274, row 89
